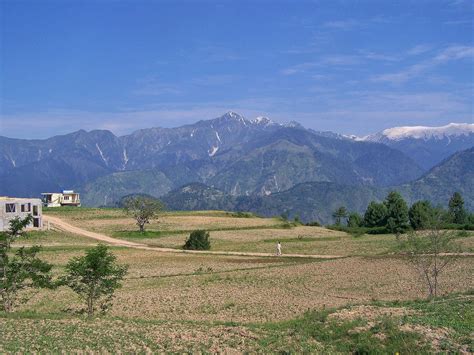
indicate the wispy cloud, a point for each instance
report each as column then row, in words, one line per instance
column 341, row 24
column 153, row 86
column 419, row 49
column 337, row 60
column 452, row 53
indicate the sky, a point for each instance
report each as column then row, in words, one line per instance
column 348, row 66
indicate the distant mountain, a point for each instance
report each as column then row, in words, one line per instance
column 428, row 146
column 231, row 153
column 455, row 173
column 317, row 200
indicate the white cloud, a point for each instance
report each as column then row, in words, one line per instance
column 452, row 53
column 419, row 49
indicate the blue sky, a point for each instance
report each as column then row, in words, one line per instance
column 352, row 67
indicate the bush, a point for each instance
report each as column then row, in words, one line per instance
column 466, row 227
column 198, row 240
column 377, row 230
column 242, row 215
column 313, row 224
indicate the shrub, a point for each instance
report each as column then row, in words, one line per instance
column 313, row 224
column 467, row 227
column 243, row 215
column 198, row 240
column 377, row 230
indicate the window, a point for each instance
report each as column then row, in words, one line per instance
column 26, row 207
column 10, row 207
column 66, row 198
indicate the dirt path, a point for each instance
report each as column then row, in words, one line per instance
column 62, row 225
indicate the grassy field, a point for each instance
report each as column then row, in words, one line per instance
column 370, row 300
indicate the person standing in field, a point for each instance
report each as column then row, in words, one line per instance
column 278, row 249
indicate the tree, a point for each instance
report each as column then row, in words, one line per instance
column 355, row 220
column 430, row 253
column 397, row 213
column 21, row 270
column 142, row 209
column 339, row 214
column 457, row 212
column 198, row 240
column 375, row 215
column 420, row 215
column 95, row 277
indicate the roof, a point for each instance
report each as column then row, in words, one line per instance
column 6, row 198
column 60, row 193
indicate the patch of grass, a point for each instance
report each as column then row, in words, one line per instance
column 301, row 239
column 163, row 233
column 455, row 312
column 315, row 329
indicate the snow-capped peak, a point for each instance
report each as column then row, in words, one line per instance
column 262, row 120
column 233, row 115
column 422, row 132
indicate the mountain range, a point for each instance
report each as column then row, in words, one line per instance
column 428, row 146
column 315, row 201
column 246, row 161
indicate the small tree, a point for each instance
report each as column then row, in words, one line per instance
column 397, row 213
column 430, row 252
column 457, row 212
column 142, row 209
column 355, row 220
column 340, row 213
column 420, row 215
column 375, row 215
column 198, row 240
column 95, row 277
column 21, row 270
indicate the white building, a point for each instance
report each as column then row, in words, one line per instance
column 11, row 207
column 58, row 199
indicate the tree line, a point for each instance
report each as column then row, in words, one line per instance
column 393, row 215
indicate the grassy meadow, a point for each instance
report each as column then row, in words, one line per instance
column 368, row 300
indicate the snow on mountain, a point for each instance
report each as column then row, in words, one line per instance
column 262, row 121
column 422, row 132
column 428, row 146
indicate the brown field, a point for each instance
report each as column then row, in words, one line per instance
column 178, row 298
column 221, row 288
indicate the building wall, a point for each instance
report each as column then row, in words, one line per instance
column 35, row 210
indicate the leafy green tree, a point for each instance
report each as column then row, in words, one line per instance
column 420, row 215
column 471, row 218
column 355, row 220
column 375, row 215
column 198, row 240
column 284, row 216
column 397, row 213
column 340, row 213
column 142, row 209
column 20, row 270
column 95, row 277
column 457, row 212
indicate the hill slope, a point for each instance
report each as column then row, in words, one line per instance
column 317, row 200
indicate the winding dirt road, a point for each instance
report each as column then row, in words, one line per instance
column 63, row 225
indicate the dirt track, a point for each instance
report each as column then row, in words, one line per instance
column 62, row 225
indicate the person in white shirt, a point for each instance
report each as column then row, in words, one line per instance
column 279, row 249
